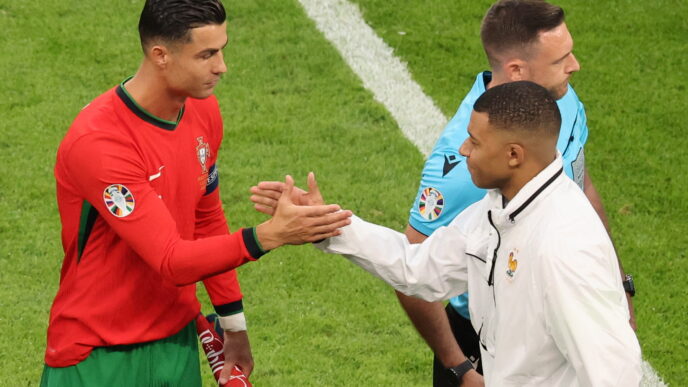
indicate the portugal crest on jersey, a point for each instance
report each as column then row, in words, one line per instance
column 119, row 200
column 430, row 204
column 203, row 153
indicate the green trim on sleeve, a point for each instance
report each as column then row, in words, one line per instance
column 88, row 218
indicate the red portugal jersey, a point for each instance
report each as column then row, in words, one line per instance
column 142, row 222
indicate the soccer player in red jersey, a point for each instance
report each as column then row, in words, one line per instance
column 142, row 221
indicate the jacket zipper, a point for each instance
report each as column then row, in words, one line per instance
column 490, row 280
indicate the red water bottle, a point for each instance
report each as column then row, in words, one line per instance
column 212, row 344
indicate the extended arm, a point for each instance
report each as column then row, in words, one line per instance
column 429, row 317
column 434, row 270
column 150, row 230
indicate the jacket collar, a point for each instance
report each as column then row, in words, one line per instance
column 536, row 188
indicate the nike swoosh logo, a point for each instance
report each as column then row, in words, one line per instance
column 153, row 177
column 448, row 165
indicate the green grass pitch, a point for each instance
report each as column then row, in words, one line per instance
column 291, row 105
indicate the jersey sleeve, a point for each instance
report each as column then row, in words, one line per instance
column 427, row 270
column 445, row 190
column 587, row 315
column 223, row 288
column 446, row 187
column 108, row 172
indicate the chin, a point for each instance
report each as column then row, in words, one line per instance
column 203, row 94
column 560, row 92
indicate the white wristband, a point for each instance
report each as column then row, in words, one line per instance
column 233, row 323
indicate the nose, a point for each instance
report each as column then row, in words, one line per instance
column 221, row 66
column 573, row 65
column 464, row 149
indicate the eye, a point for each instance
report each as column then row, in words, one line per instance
column 207, row 55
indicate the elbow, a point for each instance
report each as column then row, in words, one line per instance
column 178, row 277
column 427, row 290
column 178, row 267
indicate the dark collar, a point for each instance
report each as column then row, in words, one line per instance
column 142, row 113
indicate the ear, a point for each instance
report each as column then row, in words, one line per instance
column 516, row 155
column 159, row 55
column 515, row 69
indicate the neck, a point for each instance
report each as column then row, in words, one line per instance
column 148, row 89
column 498, row 78
column 521, row 177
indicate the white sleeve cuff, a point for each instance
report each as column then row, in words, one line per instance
column 233, row 323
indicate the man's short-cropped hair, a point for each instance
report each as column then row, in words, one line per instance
column 513, row 25
column 521, row 106
column 169, row 21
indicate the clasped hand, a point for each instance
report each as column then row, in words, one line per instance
column 297, row 216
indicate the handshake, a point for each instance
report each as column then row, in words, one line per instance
column 297, row 216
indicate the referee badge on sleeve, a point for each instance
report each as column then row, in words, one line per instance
column 119, row 200
column 430, row 203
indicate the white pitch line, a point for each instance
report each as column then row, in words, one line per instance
column 381, row 72
column 391, row 84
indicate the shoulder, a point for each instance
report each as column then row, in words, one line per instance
column 101, row 111
column 570, row 102
column 455, row 132
column 99, row 121
column 572, row 232
column 99, row 133
column 472, row 215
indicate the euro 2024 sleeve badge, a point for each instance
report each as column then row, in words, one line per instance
column 430, row 203
column 119, row 200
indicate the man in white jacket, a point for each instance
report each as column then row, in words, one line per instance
column 541, row 272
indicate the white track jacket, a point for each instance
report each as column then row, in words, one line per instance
column 546, row 296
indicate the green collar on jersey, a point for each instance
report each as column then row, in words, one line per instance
column 143, row 113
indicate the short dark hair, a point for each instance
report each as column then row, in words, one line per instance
column 522, row 106
column 515, row 24
column 171, row 20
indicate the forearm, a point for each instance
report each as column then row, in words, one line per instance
column 429, row 270
column 225, row 293
column 186, row 262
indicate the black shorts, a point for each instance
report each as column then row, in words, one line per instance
column 468, row 341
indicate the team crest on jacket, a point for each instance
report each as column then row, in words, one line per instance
column 119, row 200
column 431, row 203
column 203, row 153
column 512, row 265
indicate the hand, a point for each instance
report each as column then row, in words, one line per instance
column 294, row 224
column 237, row 352
column 267, row 193
column 631, row 312
column 472, row 379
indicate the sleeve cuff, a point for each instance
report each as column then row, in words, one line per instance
column 229, row 309
column 251, row 242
